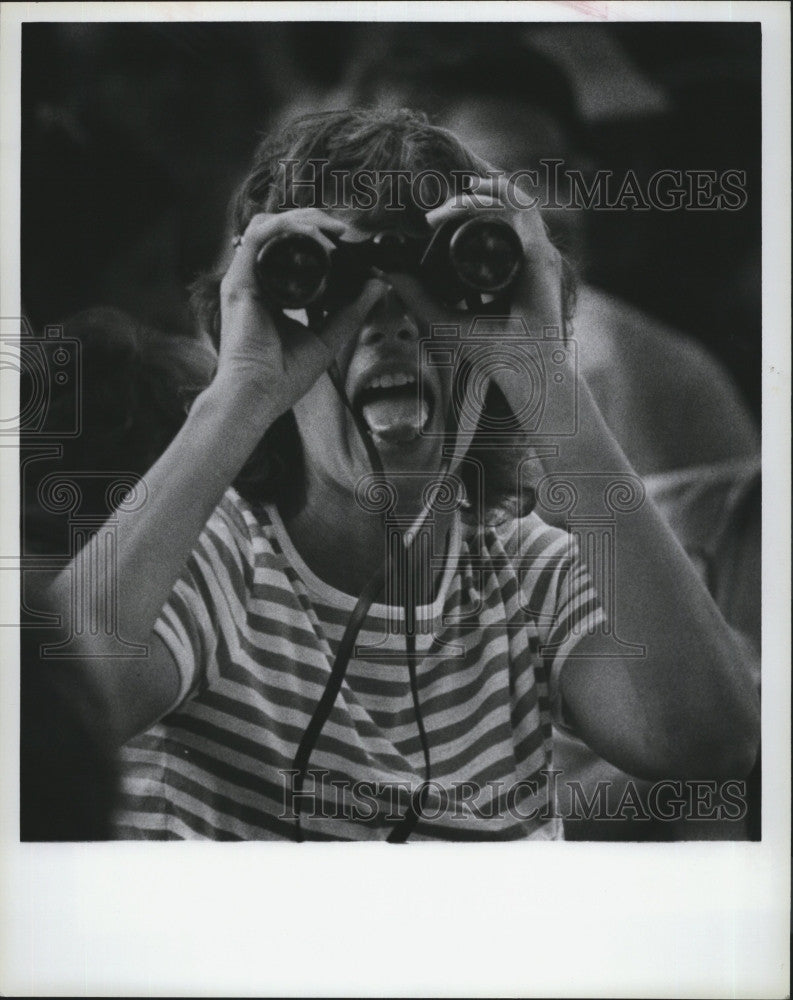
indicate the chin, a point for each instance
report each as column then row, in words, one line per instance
column 409, row 468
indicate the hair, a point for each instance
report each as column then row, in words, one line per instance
column 331, row 142
column 325, row 143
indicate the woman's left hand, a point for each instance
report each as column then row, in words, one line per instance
column 537, row 295
column 536, row 299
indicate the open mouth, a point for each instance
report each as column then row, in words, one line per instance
column 393, row 408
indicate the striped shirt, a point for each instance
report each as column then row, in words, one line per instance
column 254, row 634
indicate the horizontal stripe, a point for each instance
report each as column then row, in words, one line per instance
column 255, row 647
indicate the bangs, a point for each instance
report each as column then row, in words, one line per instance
column 326, row 159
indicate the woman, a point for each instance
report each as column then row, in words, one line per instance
column 258, row 713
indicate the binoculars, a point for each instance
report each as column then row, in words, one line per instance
column 472, row 263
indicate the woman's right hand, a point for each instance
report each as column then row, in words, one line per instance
column 264, row 354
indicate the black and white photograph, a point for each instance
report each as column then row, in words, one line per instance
column 395, row 447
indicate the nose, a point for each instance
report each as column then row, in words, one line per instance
column 388, row 321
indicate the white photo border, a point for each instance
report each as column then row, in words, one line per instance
column 585, row 919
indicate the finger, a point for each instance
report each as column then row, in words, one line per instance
column 463, row 206
column 311, row 217
column 304, row 220
column 315, row 219
column 345, row 324
column 309, row 353
column 260, row 229
column 327, row 224
column 264, row 227
column 495, row 181
column 312, row 231
column 510, row 193
column 482, row 185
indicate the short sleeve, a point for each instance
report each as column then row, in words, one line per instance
column 185, row 626
column 203, row 606
column 557, row 596
column 578, row 612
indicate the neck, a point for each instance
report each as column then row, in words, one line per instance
column 345, row 545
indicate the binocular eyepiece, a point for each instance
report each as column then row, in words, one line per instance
column 459, row 262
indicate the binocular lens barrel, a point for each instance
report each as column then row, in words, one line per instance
column 485, row 255
column 293, row 270
column 479, row 256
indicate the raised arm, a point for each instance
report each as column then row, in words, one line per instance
column 690, row 705
column 263, row 368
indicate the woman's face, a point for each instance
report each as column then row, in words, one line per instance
column 401, row 400
column 397, row 376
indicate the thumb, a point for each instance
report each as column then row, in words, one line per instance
column 343, row 326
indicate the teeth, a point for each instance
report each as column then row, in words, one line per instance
column 389, row 381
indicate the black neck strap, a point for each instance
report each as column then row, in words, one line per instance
column 374, row 587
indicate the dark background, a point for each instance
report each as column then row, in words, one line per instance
column 135, row 135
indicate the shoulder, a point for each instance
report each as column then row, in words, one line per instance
column 236, row 532
column 546, row 559
column 528, row 537
column 535, row 558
